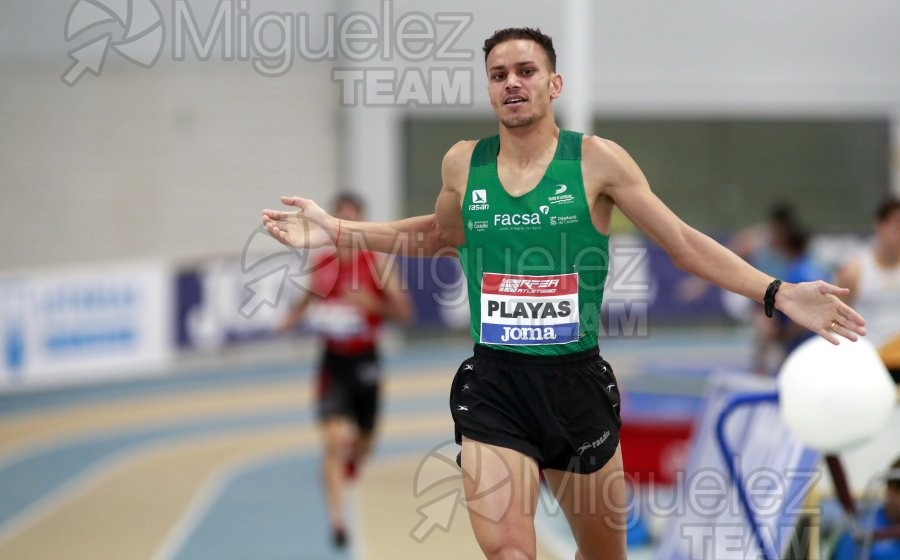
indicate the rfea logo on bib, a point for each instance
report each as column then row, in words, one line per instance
column 517, row 309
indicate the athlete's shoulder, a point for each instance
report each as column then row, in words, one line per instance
column 460, row 152
column 366, row 255
column 323, row 258
column 604, row 162
column 600, row 149
column 455, row 166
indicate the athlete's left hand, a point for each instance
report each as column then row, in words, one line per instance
column 307, row 227
column 817, row 307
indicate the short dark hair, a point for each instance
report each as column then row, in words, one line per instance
column 886, row 208
column 797, row 240
column 782, row 212
column 527, row 33
column 350, row 198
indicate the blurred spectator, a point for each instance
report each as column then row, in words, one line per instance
column 765, row 246
column 874, row 282
column 886, row 516
column 801, row 268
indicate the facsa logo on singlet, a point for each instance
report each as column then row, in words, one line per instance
column 479, row 200
column 526, row 219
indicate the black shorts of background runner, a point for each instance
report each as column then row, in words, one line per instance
column 348, row 387
column 561, row 410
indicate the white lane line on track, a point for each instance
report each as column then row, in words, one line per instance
column 203, row 500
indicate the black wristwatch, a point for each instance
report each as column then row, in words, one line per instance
column 769, row 299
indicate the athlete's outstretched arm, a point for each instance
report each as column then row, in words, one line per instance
column 813, row 305
column 309, row 226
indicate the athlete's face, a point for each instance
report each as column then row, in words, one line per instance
column 348, row 211
column 521, row 85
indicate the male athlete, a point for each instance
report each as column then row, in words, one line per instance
column 348, row 316
column 528, row 212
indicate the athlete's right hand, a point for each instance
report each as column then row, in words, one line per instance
column 309, row 226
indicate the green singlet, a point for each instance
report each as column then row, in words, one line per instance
column 535, row 265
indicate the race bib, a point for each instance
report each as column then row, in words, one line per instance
column 336, row 320
column 529, row 310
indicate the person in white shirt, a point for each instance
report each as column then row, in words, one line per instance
column 874, row 281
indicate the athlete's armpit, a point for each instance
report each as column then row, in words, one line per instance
column 448, row 208
column 611, row 172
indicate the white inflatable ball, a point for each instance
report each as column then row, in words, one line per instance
column 834, row 398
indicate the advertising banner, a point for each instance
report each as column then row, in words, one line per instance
column 77, row 324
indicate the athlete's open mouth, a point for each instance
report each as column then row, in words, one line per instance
column 514, row 100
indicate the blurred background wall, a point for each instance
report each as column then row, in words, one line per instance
column 176, row 160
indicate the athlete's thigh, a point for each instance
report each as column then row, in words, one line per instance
column 501, row 487
column 595, row 506
column 336, row 432
column 366, row 394
column 334, row 391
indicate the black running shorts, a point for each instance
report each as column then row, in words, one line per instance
column 348, row 387
column 561, row 410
